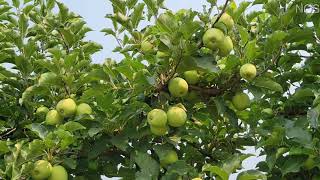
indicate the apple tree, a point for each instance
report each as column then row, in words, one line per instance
column 192, row 92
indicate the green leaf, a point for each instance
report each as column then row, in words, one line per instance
column 3, row 147
column 251, row 51
column 216, row 170
column 268, row 84
column 73, row 126
column 136, row 16
column 16, row 3
column 149, row 168
column 292, row 164
column 152, row 7
column 313, row 117
column 299, row 135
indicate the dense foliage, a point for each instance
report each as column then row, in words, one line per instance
column 193, row 90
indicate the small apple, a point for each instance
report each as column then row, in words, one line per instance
column 227, row 20
column 53, row 117
column 268, row 112
column 58, row 173
column 146, row 47
column 157, row 118
column 47, row 78
column 178, row 87
column 212, row 38
column 176, row 117
column 248, row 71
column 42, row 170
column 42, row 110
column 83, row 108
column 161, row 54
column 159, row 131
column 241, row 101
column 121, row 17
column 192, row 77
column 309, row 163
column 170, row 158
column 226, row 46
column 196, row 179
column 66, row 107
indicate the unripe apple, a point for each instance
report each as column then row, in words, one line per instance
column 170, row 158
column 196, row 179
column 161, row 54
column 178, row 87
column 309, row 163
column 212, row 38
column 192, row 77
column 42, row 110
column 226, row 46
column 41, row 170
column 47, row 78
column 157, row 118
column 248, row 71
column 176, row 117
column 241, row 101
column 121, row 17
column 58, row 173
column 83, row 108
column 268, row 112
column 227, row 20
column 159, row 131
column 66, row 107
column 53, row 117
column 146, row 47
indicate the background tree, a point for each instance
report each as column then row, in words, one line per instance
column 193, row 90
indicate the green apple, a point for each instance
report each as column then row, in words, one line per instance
column 58, row 173
column 176, row 117
column 157, row 118
column 121, row 17
column 248, row 71
column 66, row 107
column 83, row 108
column 241, row 101
column 196, row 179
column 192, row 77
column 170, row 158
column 268, row 112
column 42, row 170
column 212, row 38
column 226, row 46
column 193, row 96
column 53, row 117
column 309, row 163
column 178, row 87
column 159, row 131
column 146, row 47
column 47, row 78
column 42, row 110
column 227, row 20
column 161, row 54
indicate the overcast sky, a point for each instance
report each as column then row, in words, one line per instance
column 93, row 11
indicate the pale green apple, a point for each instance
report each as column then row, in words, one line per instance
column 226, row 46
column 83, row 108
column 268, row 112
column 248, row 71
column 212, row 38
column 53, row 117
column 192, row 77
column 47, row 78
column 170, row 158
column 159, row 131
column 241, row 101
column 157, row 118
column 42, row 110
column 42, row 170
column 178, row 87
column 227, row 20
column 58, row 173
column 66, row 107
column 146, row 47
column 176, row 117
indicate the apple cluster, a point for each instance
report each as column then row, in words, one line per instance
column 64, row 109
column 216, row 39
column 44, row 170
